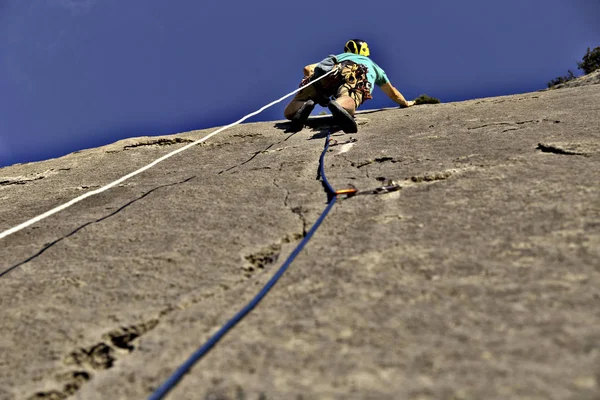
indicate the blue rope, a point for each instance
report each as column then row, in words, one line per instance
column 328, row 188
column 206, row 347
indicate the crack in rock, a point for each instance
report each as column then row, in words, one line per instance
column 158, row 142
column 259, row 168
column 360, row 164
column 287, row 192
column 49, row 395
column 22, row 180
column 247, row 135
column 100, row 356
column 262, row 258
column 256, row 153
column 415, row 180
column 124, row 336
column 54, row 242
column 437, row 176
column 299, row 211
column 503, row 100
column 76, row 380
column 267, row 150
column 490, row 124
column 273, row 151
column 73, row 380
column 532, row 121
column 296, row 210
column 353, row 164
column 86, row 187
column 161, row 142
column 564, row 149
column 527, row 122
column 267, row 255
column 19, row 181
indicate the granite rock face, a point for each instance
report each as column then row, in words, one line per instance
column 585, row 80
column 478, row 279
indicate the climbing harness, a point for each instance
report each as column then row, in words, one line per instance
column 348, row 75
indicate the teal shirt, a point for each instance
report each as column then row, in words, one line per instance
column 376, row 75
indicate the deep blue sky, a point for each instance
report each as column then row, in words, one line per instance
column 82, row 73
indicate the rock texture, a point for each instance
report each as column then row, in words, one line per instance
column 589, row 79
column 479, row 279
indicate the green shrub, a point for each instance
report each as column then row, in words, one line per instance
column 424, row 99
column 591, row 61
column 562, row 79
column 589, row 64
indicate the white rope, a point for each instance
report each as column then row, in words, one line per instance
column 102, row 189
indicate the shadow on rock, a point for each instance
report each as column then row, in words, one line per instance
column 320, row 126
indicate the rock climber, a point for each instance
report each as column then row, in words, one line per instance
column 344, row 90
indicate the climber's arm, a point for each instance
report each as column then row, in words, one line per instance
column 395, row 95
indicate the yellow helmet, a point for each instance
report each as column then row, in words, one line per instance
column 357, row 46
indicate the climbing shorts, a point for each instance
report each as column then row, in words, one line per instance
column 350, row 79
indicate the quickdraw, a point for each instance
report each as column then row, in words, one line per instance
column 391, row 186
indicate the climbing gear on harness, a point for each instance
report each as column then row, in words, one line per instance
column 347, row 75
column 355, row 76
column 302, row 115
column 342, row 117
column 357, row 46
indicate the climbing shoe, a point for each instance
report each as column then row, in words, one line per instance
column 342, row 117
column 302, row 115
